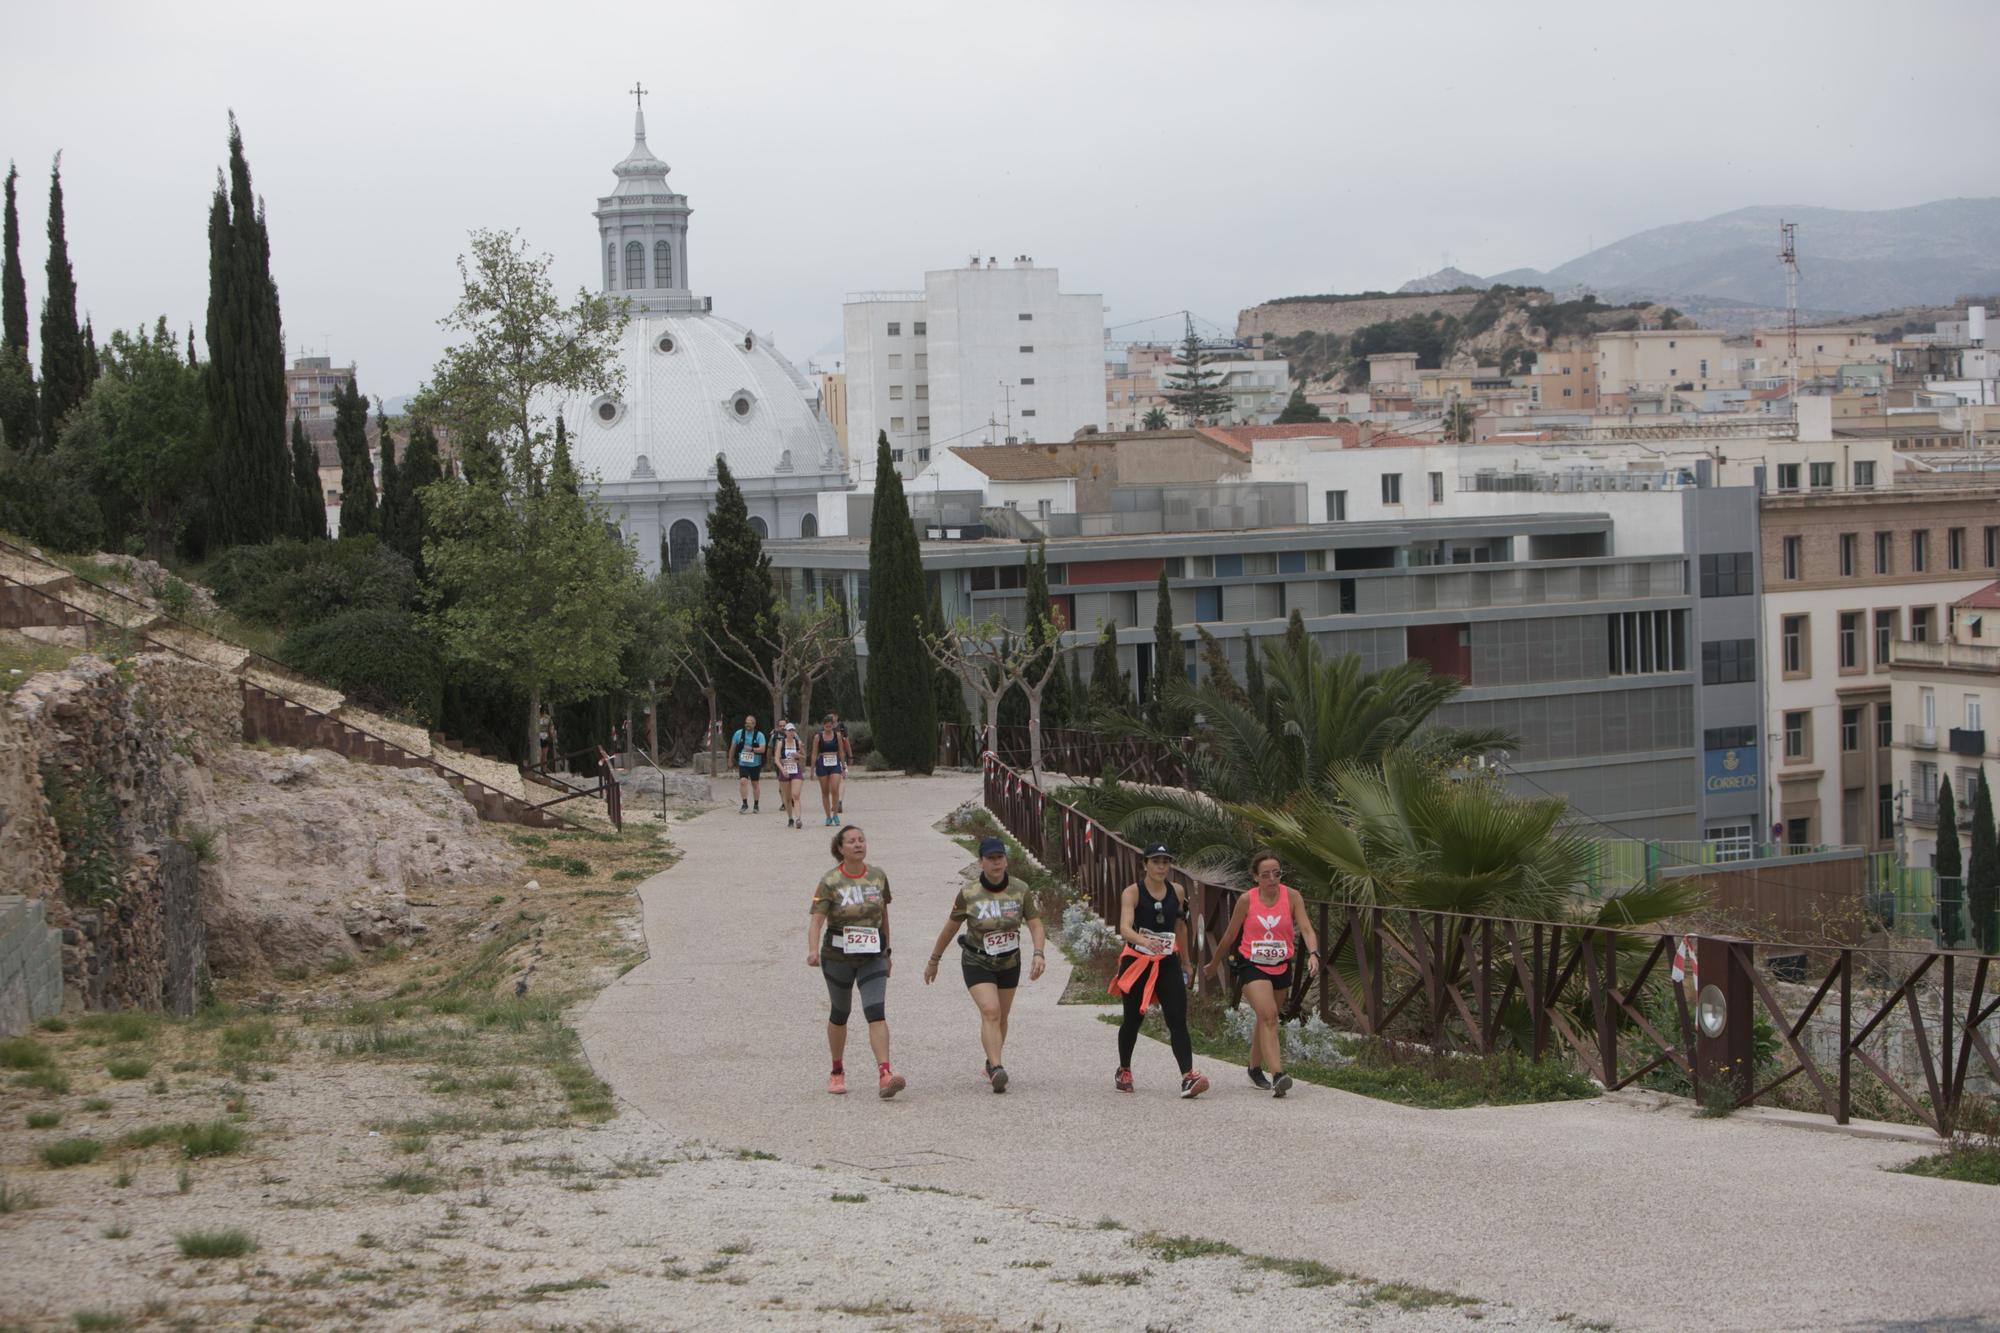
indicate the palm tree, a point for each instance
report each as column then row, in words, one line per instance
column 1322, row 716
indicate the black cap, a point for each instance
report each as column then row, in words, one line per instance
column 1158, row 849
column 992, row 847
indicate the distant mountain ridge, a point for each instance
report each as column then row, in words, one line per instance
column 1851, row 262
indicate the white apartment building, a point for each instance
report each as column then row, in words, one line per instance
column 1653, row 362
column 983, row 353
column 1947, row 689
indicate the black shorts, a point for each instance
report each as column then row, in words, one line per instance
column 975, row 975
column 750, row 771
column 1246, row 971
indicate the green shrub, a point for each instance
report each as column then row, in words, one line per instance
column 231, row 1244
column 23, row 1053
column 44, row 1119
column 299, row 583
column 382, row 658
column 71, row 1152
column 89, row 828
column 128, row 1068
column 218, row 1138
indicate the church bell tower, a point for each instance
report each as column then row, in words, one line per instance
column 642, row 229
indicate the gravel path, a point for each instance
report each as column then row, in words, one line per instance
column 1643, row 1218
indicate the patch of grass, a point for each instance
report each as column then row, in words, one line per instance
column 849, row 1198
column 200, row 841
column 1173, row 1249
column 232, row 1243
column 627, row 876
column 16, row 1199
column 122, row 1026
column 412, row 1144
column 714, row 1266
column 217, row 1138
column 184, row 1181
column 557, row 1288
column 116, row 1231
column 24, row 1053
column 90, row 1321
column 339, row 965
column 1303, row 1272
column 1977, row 1164
column 97, row 1104
column 53, row 1023
column 248, row 1038
column 44, row 1119
column 129, row 1068
column 875, row 1309
column 739, row 1247
column 1109, row 1224
column 755, row 1155
column 71, row 1152
column 531, row 840
column 409, row 1182
column 1126, row 1278
column 50, row 1080
column 30, row 657
column 148, row 1135
column 1030, row 1263
column 126, row 1175
column 574, row 866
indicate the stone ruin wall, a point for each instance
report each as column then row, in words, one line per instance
column 1287, row 319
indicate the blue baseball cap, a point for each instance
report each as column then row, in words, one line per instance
column 992, row 847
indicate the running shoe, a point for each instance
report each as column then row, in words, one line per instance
column 1257, row 1077
column 1193, row 1084
column 998, row 1074
column 836, row 1084
column 1124, row 1081
column 891, row 1084
column 1281, row 1084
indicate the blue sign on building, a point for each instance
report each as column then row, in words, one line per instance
column 1724, row 771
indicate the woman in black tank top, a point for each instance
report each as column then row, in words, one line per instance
column 1152, row 921
column 827, row 767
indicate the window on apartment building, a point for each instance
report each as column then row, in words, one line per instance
column 1644, row 642
column 1850, row 641
column 1885, row 553
column 1336, row 506
column 1437, row 488
column 1921, row 621
column 1788, row 476
column 1850, row 730
column 1732, row 842
column 1228, row 567
column 1794, row 557
column 1885, row 811
column 895, row 393
column 923, row 360
column 1885, row 634
column 1974, row 715
column 895, row 330
column 1822, row 476
column 1728, row 574
column 1027, row 411
column 1920, row 550
column 1392, row 488
column 924, row 392
column 1728, row 738
column 1792, row 642
column 1024, row 315
column 1864, row 474
column 1849, row 549
column 1207, row 604
column 1884, row 725
column 1027, row 347
column 919, row 328
column 1728, row 661
column 1798, row 735
column 896, row 424
column 1954, row 548
column 923, row 424
column 1027, row 379
column 1565, row 393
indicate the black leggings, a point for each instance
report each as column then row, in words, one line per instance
column 1172, row 995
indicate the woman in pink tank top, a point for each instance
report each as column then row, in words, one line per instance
column 1259, row 946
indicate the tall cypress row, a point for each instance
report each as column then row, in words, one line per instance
column 1948, row 897
column 309, row 506
column 389, row 517
column 251, row 481
column 740, row 596
column 65, row 368
column 1169, row 659
column 357, row 470
column 419, row 469
column 1982, row 876
column 19, row 415
column 901, row 695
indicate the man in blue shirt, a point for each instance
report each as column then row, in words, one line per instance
column 747, row 745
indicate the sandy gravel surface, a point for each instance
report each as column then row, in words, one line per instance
column 1645, row 1218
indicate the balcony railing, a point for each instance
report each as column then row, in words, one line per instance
column 1964, row 656
column 1919, row 737
column 1923, row 810
column 1968, row 741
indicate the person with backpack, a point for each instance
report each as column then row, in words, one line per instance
column 1262, row 928
column 1152, row 920
column 747, row 748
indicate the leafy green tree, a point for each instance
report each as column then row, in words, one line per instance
column 527, row 580
column 901, row 687
column 1949, row 869
column 1155, row 419
column 1192, row 388
column 53, row 496
column 740, row 599
column 1982, row 878
column 1298, row 411
column 250, row 484
column 1168, row 657
column 1109, row 700
column 65, row 360
column 382, row 658
column 308, row 505
column 357, row 470
column 1458, row 423
column 152, row 420
column 19, row 412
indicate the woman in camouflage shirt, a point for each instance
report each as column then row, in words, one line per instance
column 847, row 939
column 993, row 909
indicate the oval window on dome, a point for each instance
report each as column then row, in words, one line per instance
column 666, row 344
column 749, row 341
column 742, row 406
column 607, row 410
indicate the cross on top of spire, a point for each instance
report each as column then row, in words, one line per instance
column 639, row 95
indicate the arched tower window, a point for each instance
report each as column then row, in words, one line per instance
column 683, row 545
column 610, row 268
column 809, row 526
column 663, row 263
column 758, row 526
column 635, row 266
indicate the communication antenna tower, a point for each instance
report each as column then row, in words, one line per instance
column 1788, row 232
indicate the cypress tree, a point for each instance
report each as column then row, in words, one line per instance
column 92, row 368
column 420, row 469
column 309, row 506
column 1982, row 878
column 65, row 367
column 1076, row 689
column 357, row 471
column 949, row 692
column 1295, row 633
column 389, row 518
column 1949, row 867
column 1253, row 673
column 246, row 364
column 1108, row 697
column 1215, row 663
column 740, row 598
column 562, row 472
column 900, row 689
column 1169, row 660
column 19, row 415
column 193, row 360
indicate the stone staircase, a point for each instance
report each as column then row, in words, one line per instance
column 280, row 706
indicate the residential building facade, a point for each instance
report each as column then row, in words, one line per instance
column 1947, row 688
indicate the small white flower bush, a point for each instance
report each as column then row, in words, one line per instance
column 1084, row 932
column 1310, row 1040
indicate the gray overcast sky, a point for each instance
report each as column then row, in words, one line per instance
column 1167, row 154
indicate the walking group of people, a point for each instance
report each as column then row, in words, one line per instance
column 828, row 753
column 848, row 940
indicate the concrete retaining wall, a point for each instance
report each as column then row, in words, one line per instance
column 31, row 979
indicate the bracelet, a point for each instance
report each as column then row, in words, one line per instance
column 1040, row 954
column 937, row 957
